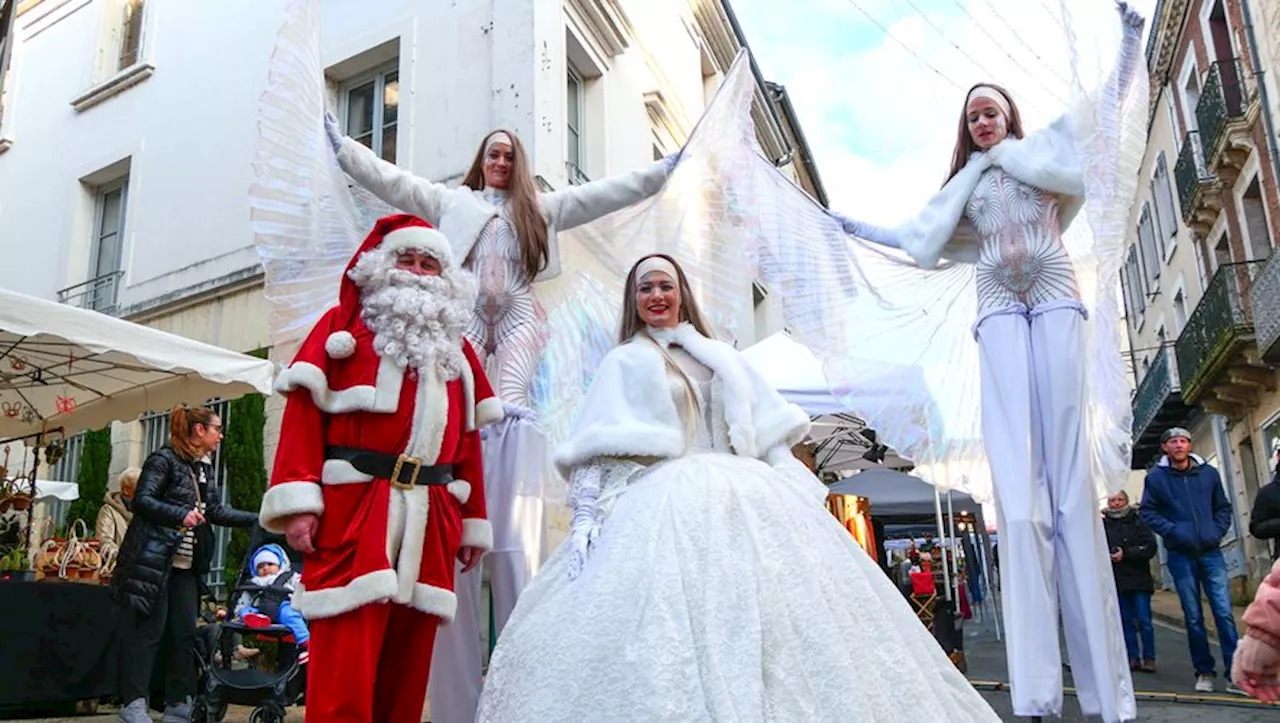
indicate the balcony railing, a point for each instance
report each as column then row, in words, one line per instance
column 1156, row 389
column 575, row 174
column 1189, row 172
column 1228, row 91
column 1219, row 324
column 98, row 294
column 1266, row 309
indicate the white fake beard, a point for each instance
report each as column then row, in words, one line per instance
column 416, row 320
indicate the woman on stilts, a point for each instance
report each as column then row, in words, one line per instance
column 1004, row 208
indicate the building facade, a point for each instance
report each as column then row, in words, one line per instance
column 128, row 131
column 1201, row 281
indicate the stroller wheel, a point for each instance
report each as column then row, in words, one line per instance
column 200, row 712
column 266, row 714
column 218, row 713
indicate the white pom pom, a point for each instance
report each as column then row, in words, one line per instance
column 340, row 345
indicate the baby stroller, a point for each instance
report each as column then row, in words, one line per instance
column 224, row 680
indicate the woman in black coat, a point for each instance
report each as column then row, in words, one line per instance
column 162, row 558
column 1132, row 546
column 1264, row 522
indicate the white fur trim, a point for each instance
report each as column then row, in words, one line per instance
column 477, row 533
column 434, row 600
column 341, row 472
column 383, row 397
column 373, row 587
column 286, row 499
column 489, row 411
column 408, row 564
column 340, row 345
column 427, row 240
column 460, row 489
column 786, row 426
column 430, row 415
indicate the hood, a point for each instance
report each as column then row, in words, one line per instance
column 269, row 547
column 115, row 501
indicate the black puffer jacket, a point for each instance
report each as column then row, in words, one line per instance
column 166, row 492
column 1130, row 534
column 1264, row 523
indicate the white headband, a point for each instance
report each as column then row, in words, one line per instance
column 499, row 137
column 655, row 263
column 986, row 91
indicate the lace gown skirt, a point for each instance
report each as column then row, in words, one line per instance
column 721, row 590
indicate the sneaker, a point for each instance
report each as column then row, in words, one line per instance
column 1235, row 689
column 177, row 712
column 1134, row 666
column 1204, row 683
column 135, row 712
column 1148, row 666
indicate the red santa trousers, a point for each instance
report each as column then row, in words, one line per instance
column 370, row 664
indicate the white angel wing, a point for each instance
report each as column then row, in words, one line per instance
column 307, row 217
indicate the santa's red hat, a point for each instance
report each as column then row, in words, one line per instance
column 398, row 233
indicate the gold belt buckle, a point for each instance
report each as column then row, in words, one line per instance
column 395, row 472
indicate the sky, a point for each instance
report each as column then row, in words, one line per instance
column 881, row 120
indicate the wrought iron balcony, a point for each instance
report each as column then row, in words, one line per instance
column 1228, row 93
column 1266, row 309
column 1191, row 174
column 98, row 294
column 1220, row 325
column 1157, row 405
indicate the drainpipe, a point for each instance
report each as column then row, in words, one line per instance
column 1267, row 123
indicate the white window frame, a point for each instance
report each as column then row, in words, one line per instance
column 1189, row 69
column 1215, row 236
column 1175, row 123
column 139, row 24
column 379, row 77
column 1167, row 237
column 1249, row 174
column 1137, row 296
column 6, row 53
column 1150, row 259
column 1179, row 289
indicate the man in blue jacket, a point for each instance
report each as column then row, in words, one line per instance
column 1185, row 504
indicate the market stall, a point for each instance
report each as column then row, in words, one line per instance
column 64, row 370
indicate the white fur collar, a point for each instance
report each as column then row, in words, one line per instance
column 1047, row 159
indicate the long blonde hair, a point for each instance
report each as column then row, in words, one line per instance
column 689, row 310
column 522, row 199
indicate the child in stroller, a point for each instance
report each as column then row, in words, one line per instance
column 267, row 599
column 270, row 688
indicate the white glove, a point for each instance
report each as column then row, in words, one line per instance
column 585, row 525
column 515, row 411
column 874, row 234
column 333, row 132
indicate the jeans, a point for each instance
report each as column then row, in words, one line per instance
column 172, row 622
column 1190, row 576
column 1135, row 619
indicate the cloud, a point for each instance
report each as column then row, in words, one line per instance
column 882, row 120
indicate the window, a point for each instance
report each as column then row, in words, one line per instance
column 7, row 8
column 372, row 109
column 130, row 34
column 66, row 470
column 1179, row 311
column 1255, row 221
column 1167, row 221
column 1221, row 251
column 108, row 246
column 1133, row 283
column 574, row 97
column 1150, row 256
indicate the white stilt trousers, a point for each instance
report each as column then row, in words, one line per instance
column 513, row 449
column 1052, row 544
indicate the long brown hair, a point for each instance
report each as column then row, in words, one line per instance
column 965, row 146
column 182, row 425
column 522, row 199
column 689, row 311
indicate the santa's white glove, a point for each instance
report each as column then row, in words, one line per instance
column 332, row 131
column 515, row 411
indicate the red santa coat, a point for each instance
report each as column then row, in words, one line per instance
column 341, row 393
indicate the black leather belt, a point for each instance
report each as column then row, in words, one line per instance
column 402, row 471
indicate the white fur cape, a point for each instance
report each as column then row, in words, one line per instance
column 1047, row 159
column 629, row 410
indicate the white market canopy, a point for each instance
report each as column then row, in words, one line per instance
column 74, row 369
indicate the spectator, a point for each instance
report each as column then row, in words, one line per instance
column 1184, row 503
column 1257, row 662
column 1132, row 546
column 116, row 513
column 1264, row 522
column 165, row 552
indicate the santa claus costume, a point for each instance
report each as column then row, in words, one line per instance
column 379, row 441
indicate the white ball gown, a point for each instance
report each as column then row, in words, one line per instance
column 719, row 589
